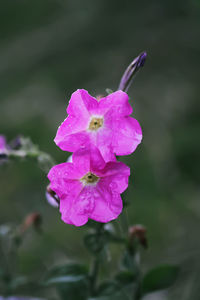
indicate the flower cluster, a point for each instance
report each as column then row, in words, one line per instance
column 96, row 130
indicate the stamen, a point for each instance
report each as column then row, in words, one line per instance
column 95, row 124
column 89, row 178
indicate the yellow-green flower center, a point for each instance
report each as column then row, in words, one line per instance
column 89, row 178
column 95, row 123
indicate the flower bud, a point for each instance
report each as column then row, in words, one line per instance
column 139, row 232
column 51, row 197
column 16, row 143
column 131, row 71
column 33, row 219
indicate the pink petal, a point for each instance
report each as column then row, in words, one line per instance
column 72, row 142
column 117, row 102
column 2, row 144
column 88, row 159
column 69, row 214
column 108, row 205
column 81, row 160
column 104, row 143
column 115, row 176
column 93, row 202
column 81, row 104
column 127, row 136
column 72, row 133
column 62, row 177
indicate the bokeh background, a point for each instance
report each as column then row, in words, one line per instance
column 50, row 48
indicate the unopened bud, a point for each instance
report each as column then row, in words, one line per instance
column 139, row 232
column 131, row 71
column 51, row 197
column 16, row 143
column 33, row 219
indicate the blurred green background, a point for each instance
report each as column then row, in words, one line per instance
column 50, row 48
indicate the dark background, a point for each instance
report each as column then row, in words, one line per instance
column 50, row 48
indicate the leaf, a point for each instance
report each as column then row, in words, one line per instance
column 18, row 282
column 130, row 262
column 64, row 279
column 120, row 288
column 109, row 91
column 108, row 288
column 125, row 278
column 71, row 281
column 125, row 293
column 161, row 277
column 72, row 269
column 95, row 242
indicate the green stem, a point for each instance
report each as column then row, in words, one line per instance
column 138, row 292
column 94, row 271
column 94, row 275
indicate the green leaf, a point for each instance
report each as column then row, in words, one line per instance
column 108, row 288
column 125, row 278
column 130, row 262
column 121, row 287
column 71, row 281
column 67, row 269
column 125, row 293
column 64, row 279
column 109, row 91
column 18, row 282
column 159, row 278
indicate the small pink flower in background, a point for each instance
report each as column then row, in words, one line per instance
column 89, row 188
column 104, row 123
column 3, row 145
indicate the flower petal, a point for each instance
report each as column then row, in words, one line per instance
column 118, row 102
column 70, row 215
column 127, row 135
column 115, row 176
column 81, row 104
column 93, row 202
column 71, row 142
column 88, row 160
column 3, row 146
column 62, row 176
column 108, row 204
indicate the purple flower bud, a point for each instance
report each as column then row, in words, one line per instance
column 131, row 71
column 16, row 143
column 51, row 197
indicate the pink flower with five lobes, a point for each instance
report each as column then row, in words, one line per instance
column 105, row 124
column 88, row 187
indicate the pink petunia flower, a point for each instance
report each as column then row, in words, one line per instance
column 88, row 187
column 3, row 145
column 105, row 123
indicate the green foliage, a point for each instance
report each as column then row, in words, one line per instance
column 114, row 289
column 71, row 281
column 99, row 237
column 161, row 277
column 109, row 91
column 27, row 149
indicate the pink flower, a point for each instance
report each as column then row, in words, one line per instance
column 88, row 187
column 105, row 123
column 3, row 145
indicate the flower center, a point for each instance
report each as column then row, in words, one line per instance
column 96, row 123
column 89, row 178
